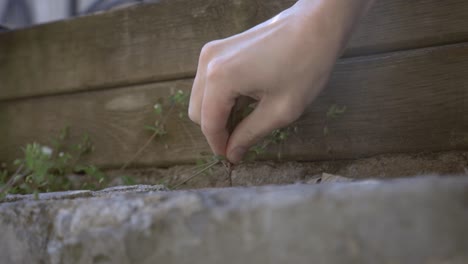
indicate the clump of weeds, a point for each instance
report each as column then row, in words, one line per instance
column 45, row 168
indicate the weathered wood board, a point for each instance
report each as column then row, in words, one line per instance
column 158, row 42
column 407, row 101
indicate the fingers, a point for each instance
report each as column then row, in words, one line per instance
column 241, row 109
column 198, row 88
column 218, row 100
column 196, row 97
column 211, row 100
column 268, row 116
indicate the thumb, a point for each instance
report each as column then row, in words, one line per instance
column 266, row 117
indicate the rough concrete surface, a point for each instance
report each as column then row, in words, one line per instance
column 418, row 220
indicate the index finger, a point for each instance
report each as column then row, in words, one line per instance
column 216, row 108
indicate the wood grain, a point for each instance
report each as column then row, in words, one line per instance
column 408, row 101
column 157, row 42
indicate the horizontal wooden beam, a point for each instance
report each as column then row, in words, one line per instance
column 399, row 102
column 162, row 41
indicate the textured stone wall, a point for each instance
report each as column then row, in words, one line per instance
column 422, row 220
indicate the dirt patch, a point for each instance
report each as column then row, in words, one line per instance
column 265, row 173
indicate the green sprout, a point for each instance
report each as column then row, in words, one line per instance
column 158, row 127
column 333, row 113
column 277, row 137
column 180, row 100
column 177, row 101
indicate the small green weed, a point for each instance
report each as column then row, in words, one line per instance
column 180, row 100
column 277, row 137
column 177, row 102
column 45, row 169
column 334, row 112
column 158, row 127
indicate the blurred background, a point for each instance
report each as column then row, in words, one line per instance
column 23, row 13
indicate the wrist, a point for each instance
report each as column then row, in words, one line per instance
column 330, row 19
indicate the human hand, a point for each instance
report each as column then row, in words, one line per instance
column 282, row 63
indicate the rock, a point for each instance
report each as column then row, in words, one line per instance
column 85, row 193
column 328, row 178
column 49, row 196
column 420, row 220
column 132, row 189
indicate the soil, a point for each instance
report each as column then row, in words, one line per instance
column 267, row 173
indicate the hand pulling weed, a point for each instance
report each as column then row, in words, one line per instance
column 178, row 102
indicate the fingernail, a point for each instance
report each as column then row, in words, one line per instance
column 235, row 156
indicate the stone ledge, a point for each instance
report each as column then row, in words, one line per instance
column 86, row 194
column 421, row 220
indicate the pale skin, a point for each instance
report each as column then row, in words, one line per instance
column 282, row 63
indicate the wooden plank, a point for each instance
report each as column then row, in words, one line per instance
column 158, row 42
column 399, row 102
